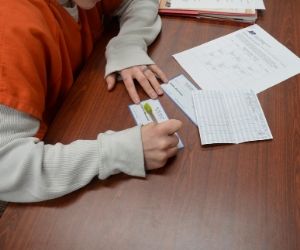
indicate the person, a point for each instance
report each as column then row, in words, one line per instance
column 43, row 45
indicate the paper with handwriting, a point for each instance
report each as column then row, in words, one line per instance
column 247, row 58
column 230, row 116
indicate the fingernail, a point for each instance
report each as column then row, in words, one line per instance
column 153, row 95
column 110, row 85
column 160, row 91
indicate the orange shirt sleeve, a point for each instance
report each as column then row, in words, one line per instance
column 27, row 50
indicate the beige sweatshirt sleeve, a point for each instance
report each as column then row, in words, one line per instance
column 31, row 170
column 139, row 26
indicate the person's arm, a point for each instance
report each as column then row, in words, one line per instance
column 127, row 52
column 139, row 26
column 33, row 171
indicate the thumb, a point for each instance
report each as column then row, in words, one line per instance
column 170, row 127
column 111, row 81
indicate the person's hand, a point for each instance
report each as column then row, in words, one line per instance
column 146, row 76
column 159, row 142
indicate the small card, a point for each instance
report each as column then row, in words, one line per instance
column 180, row 89
column 142, row 118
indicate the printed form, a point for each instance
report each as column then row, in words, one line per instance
column 217, row 4
column 248, row 58
column 231, row 116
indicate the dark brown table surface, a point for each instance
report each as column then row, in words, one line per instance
column 244, row 196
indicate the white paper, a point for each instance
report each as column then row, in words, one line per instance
column 233, row 116
column 180, row 89
column 217, row 4
column 248, row 58
column 142, row 118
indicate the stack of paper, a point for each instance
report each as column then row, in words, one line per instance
column 235, row 10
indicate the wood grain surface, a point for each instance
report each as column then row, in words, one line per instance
column 226, row 197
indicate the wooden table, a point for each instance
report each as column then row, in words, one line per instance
column 244, row 196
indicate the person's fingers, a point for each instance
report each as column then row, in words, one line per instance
column 169, row 127
column 129, row 84
column 173, row 141
column 111, row 81
column 167, row 142
column 146, row 76
column 158, row 163
column 172, row 151
column 153, row 81
column 144, row 82
column 158, row 72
